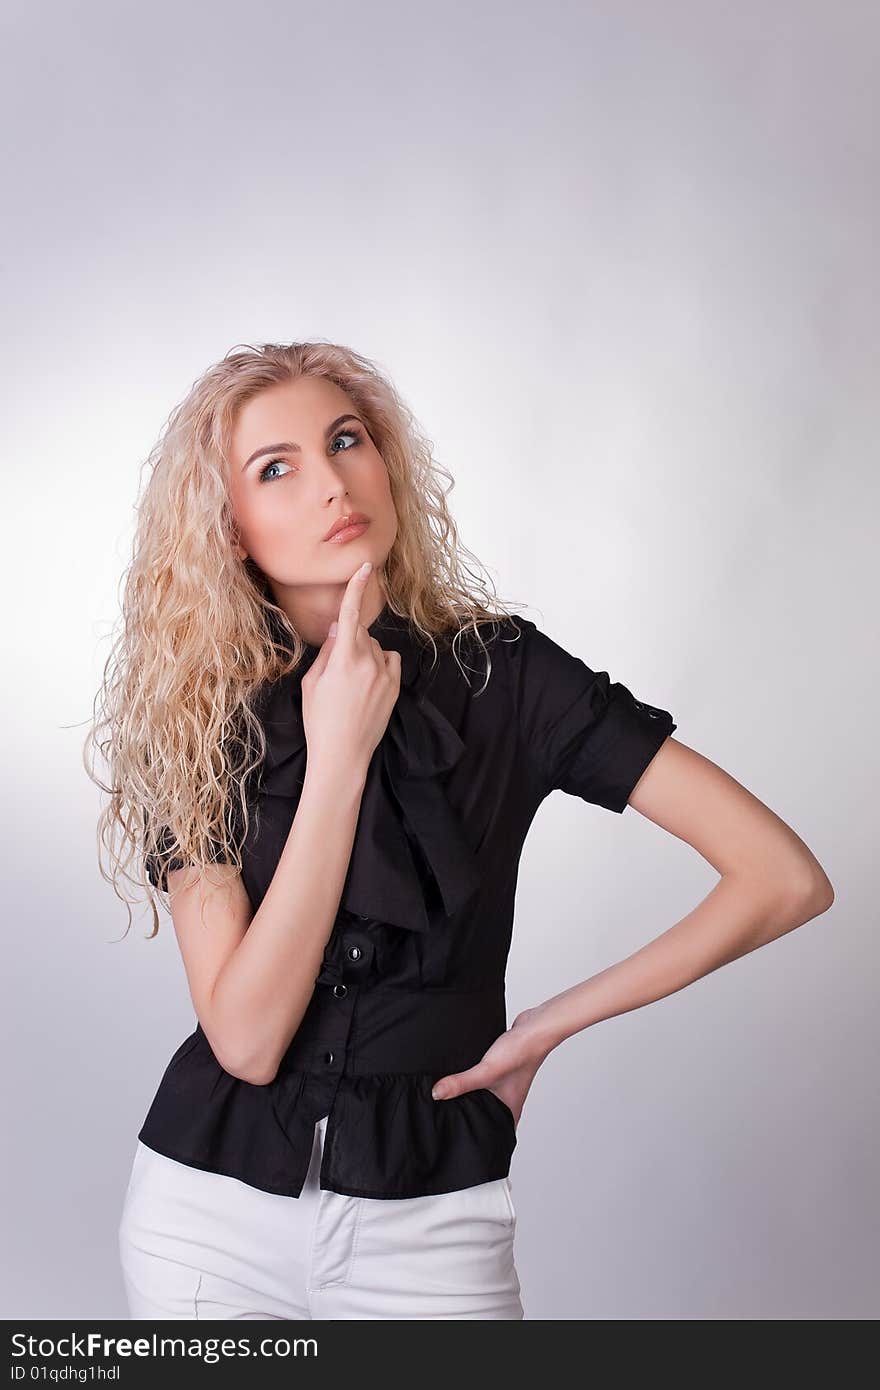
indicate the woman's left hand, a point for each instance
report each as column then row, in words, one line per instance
column 508, row 1068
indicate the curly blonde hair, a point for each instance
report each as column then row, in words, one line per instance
column 175, row 719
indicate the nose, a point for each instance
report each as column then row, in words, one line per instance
column 327, row 478
column 338, row 489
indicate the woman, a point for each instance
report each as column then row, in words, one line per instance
column 327, row 747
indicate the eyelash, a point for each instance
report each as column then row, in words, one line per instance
column 355, row 434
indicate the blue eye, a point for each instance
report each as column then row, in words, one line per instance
column 266, row 477
column 264, row 472
column 352, row 434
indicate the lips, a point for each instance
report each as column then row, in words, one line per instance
column 344, row 522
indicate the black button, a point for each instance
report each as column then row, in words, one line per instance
column 354, row 953
column 328, row 1058
column 340, row 991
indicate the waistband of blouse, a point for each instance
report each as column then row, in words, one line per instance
column 399, row 1030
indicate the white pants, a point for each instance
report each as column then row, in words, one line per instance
column 200, row 1245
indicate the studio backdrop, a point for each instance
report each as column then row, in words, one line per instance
column 621, row 262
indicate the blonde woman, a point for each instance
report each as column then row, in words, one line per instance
column 327, row 744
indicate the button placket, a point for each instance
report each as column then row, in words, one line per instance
column 352, row 959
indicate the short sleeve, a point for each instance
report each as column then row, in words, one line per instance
column 586, row 734
column 157, row 867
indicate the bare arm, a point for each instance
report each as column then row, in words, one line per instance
column 770, row 883
column 251, row 978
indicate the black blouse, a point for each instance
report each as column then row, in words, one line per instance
column 412, row 984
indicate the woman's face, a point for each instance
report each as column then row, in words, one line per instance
column 296, row 468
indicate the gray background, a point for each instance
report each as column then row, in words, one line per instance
column 622, row 261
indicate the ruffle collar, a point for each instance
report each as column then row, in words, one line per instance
column 405, row 813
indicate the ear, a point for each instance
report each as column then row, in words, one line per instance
column 240, row 551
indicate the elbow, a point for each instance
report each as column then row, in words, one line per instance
column 255, row 1071
column 245, row 1059
column 231, row 1050
column 261, row 1078
column 252, row 1075
column 812, row 893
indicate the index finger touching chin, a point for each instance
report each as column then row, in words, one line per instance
column 350, row 607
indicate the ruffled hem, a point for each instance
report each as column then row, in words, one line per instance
column 386, row 1136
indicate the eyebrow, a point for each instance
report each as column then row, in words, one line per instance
column 294, row 448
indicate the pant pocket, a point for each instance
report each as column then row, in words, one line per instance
column 447, row 1255
column 508, row 1193
column 156, row 1287
column 156, row 1284
column 497, row 1203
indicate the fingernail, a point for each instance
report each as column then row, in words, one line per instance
column 437, row 1092
column 366, row 567
column 334, row 628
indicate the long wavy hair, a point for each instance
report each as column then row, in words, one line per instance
column 174, row 716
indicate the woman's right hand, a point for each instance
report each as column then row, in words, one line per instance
column 349, row 691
